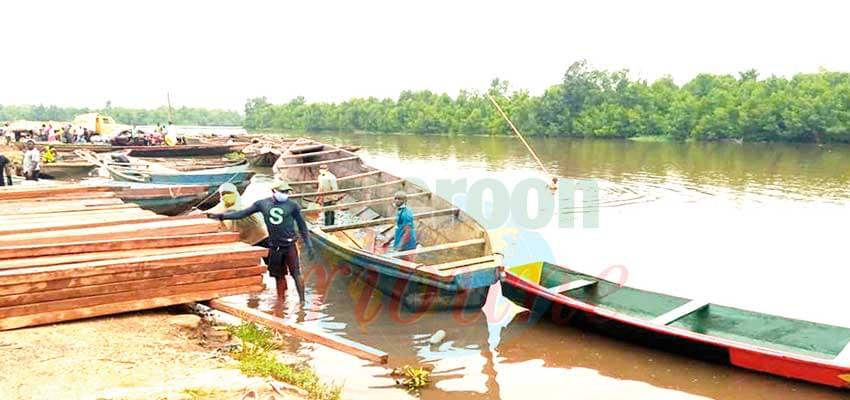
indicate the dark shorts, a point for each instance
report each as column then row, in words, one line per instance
column 283, row 260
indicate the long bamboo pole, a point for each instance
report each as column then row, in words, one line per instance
column 554, row 178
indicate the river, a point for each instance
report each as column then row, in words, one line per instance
column 754, row 226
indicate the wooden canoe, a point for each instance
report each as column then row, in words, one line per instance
column 453, row 267
column 186, row 150
column 183, row 150
column 165, row 200
column 776, row 345
column 66, row 169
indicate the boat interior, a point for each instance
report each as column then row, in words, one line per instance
column 764, row 330
column 448, row 239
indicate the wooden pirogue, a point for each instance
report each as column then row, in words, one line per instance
column 453, row 267
column 71, row 252
column 781, row 346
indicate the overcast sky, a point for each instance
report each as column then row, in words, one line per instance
column 217, row 54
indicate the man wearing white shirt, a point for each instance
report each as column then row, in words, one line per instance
column 32, row 162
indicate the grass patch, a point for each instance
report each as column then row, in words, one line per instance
column 256, row 358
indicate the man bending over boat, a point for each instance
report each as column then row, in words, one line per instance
column 281, row 214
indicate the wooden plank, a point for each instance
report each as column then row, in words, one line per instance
column 303, row 332
column 75, row 196
column 117, row 206
column 316, row 163
column 462, row 263
column 160, row 228
column 37, row 274
column 315, row 153
column 383, row 221
column 80, row 214
column 114, row 245
column 341, row 178
column 83, row 223
column 82, row 302
column 49, row 191
column 347, row 190
column 573, row 285
column 122, row 307
column 680, row 312
column 365, row 202
column 138, row 274
column 115, row 255
column 439, row 247
column 133, row 285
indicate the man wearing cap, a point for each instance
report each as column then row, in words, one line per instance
column 32, row 162
column 281, row 215
column 327, row 183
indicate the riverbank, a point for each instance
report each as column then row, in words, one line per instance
column 158, row 354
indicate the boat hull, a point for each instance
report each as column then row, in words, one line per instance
column 181, row 150
column 416, row 293
column 564, row 310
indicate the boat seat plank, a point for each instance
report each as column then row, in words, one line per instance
column 310, row 154
column 315, row 163
column 572, row 285
column 463, row 263
column 339, row 179
column 347, row 190
column 843, row 358
column 440, row 247
column 389, row 220
column 680, row 312
column 365, row 202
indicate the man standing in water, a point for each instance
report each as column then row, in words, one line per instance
column 281, row 214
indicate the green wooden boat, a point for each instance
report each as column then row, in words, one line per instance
column 786, row 347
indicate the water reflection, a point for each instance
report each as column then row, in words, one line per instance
column 680, row 218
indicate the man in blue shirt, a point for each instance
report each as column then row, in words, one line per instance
column 405, row 231
column 281, row 215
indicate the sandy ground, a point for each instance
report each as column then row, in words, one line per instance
column 145, row 355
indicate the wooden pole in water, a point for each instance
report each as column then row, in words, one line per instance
column 313, row 335
column 554, row 178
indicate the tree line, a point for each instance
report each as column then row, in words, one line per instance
column 129, row 116
column 812, row 107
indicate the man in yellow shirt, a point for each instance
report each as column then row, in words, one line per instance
column 252, row 229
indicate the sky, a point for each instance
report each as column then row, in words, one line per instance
column 218, row 54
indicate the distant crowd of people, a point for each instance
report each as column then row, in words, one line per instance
column 47, row 133
column 160, row 135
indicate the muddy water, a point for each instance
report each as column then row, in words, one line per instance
column 755, row 226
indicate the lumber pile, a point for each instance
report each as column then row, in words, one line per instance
column 71, row 252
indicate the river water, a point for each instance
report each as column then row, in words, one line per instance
column 754, row 226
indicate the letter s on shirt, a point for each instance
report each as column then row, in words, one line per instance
column 276, row 215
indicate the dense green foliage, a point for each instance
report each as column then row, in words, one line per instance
column 130, row 116
column 593, row 103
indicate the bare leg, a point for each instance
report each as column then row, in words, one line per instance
column 281, row 288
column 299, row 285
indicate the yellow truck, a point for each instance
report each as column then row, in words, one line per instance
column 100, row 124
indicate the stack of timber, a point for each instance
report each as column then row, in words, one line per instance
column 72, row 252
column 454, row 265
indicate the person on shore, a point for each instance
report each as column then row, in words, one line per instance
column 327, row 183
column 32, row 161
column 5, row 171
column 405, row 231
column 281, row 215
